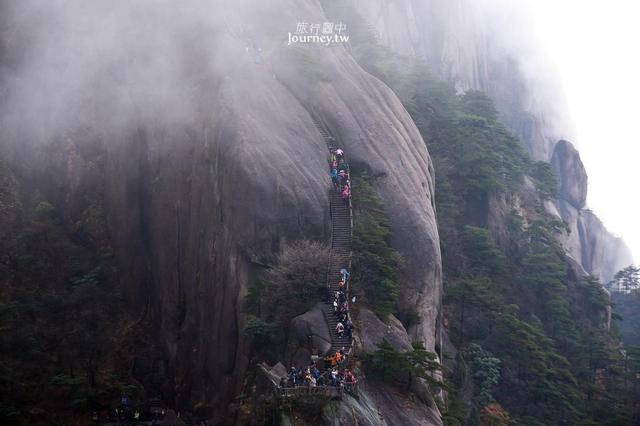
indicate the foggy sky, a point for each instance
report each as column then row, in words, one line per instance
column 594, row 46
column 106, row 64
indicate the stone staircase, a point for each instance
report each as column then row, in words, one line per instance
column 340, row 258
column 341, row 233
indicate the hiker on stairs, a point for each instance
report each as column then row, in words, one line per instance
column 345, row 274
column 349, row 326
column 335, row 177
column 346, row 193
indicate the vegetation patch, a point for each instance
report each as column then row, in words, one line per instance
column 295, row 283
column 59, row 344
column 375, row 262
column 395, row 367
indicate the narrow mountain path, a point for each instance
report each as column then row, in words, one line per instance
column 341, row 234
column 340, row 258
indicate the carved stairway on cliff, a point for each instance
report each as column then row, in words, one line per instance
column 340, row 257
column 341, row 234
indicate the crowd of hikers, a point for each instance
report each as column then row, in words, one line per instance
column 340, row 173
column 341, row 306
column 334, row 372
column 312, row 377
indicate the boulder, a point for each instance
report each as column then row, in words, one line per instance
column 378, row 404
column 372, row 331
column 308, row 335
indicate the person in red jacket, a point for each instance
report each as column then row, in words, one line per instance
column 346, row 193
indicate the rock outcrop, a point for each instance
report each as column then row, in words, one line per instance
column 603, row 254
column 587, row 241
column 570, row 174
column 381, row 405
column 372, row 331
column 308, row 335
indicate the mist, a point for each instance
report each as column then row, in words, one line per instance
column 593, row 48
column 158, row 157
column 70, row 64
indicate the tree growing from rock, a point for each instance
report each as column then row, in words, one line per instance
column 625, row 280
column 295, row 283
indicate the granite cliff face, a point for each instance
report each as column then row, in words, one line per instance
column 487, row 45
column 571, row 175
column 600, row 253
column 197, row 135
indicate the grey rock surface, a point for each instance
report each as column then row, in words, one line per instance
column 600, row 253
column 372, row 331
column 570, row 174
column 379, row 405
column 205, row 156
column 308, row 334
column 603, row 253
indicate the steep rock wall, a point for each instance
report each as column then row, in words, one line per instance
column 600, row 253
column 204, row 153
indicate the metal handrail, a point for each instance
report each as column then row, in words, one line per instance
column 325, row 390
column 350, row 254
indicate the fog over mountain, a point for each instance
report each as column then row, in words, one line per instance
column 591, row 53
column 172, row 242
column 491, row 46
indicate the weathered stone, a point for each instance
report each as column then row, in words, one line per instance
column 570, row 174
column 204, row 168
column 378, row 404
column 372, row 331
column 603, row 254
column 308, row 335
